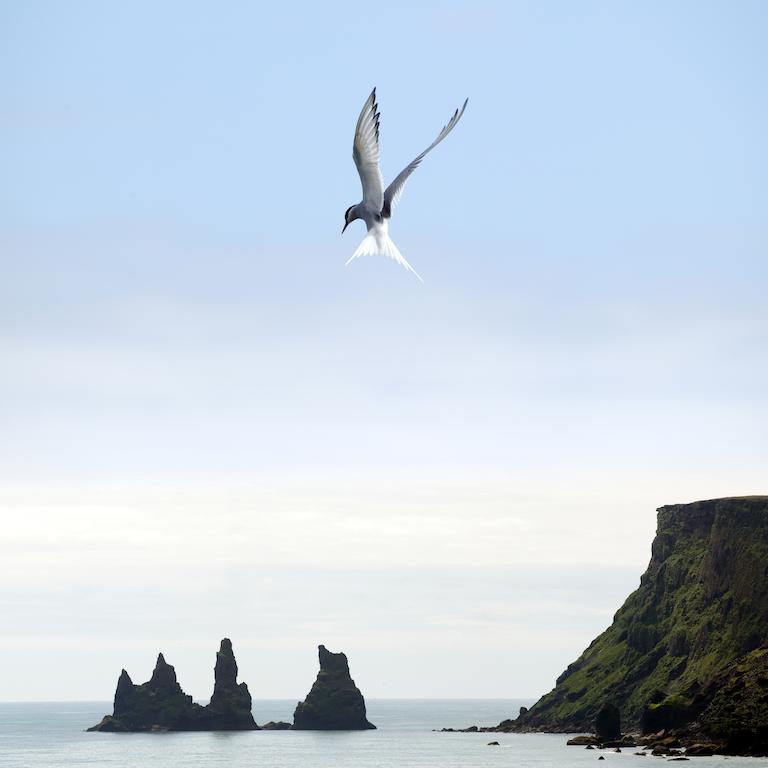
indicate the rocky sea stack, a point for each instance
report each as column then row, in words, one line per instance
column 334, row 703
column 230, row 707
column 160, row 704
column 688, row 650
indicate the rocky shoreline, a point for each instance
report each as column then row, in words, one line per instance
column 685, row 660
column 663, row 743
column 680, row 744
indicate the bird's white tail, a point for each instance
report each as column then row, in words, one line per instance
column 381, row 242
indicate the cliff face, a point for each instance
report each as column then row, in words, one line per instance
column 737, row 711
column 334, row 703
column 702, row 605
column 160, row 704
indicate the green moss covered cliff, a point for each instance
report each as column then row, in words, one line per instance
column 701, row 606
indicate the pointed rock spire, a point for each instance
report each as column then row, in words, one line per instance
column 158, row 704
column 334, row 703
column 123, row 693
column 164, row 675
column 230, row 707
column 332, row 662
column 161, row 704
column 225, row 671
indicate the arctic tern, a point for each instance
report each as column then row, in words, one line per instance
column 375, row 209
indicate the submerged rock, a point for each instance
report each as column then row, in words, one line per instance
column 334, row 703
column 701, row 750
column 160, row 704
column 580, row 741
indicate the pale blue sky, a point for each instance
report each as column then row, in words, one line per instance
column 177, row 328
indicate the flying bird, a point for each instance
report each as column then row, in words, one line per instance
column 375, row 209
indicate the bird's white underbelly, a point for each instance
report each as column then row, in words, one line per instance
column 380, row 231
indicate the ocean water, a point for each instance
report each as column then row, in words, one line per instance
column 52, row 735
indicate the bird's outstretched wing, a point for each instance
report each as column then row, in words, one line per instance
column 365, row 153
column 395, row 189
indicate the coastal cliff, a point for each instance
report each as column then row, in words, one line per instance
column 160, row 704
column 334, row 703
column 736, row 712
column 687, row 650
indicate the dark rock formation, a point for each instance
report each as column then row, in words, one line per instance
column 581, row 741
column 278, row 725
column 230, row 707
column 608, row 723
column 700, row 609
column 700, row 750
column 334, row 703
column 671, row 713
column 736, row 712
column 124, row 691
column 160, row 704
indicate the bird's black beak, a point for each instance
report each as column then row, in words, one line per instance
column 346, row 224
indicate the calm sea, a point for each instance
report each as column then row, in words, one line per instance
column 52, row 735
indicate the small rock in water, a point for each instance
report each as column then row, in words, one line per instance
column 278, row 725
column 601, row 757
column 578, row 741
column 700, row 750
column 493, row 744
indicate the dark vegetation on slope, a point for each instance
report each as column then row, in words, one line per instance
column 686, row 650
